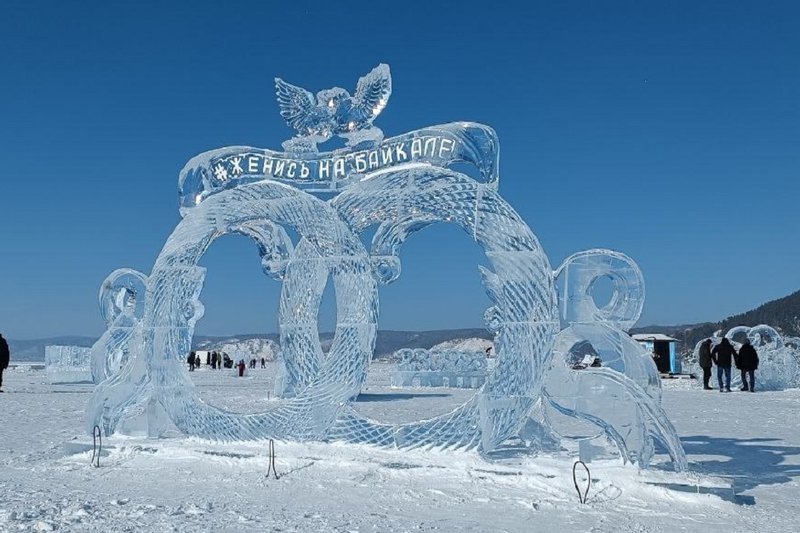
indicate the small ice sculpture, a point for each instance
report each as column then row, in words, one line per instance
column 121, row 305
column 432, row 368
column 67, row 364
column 779, row 357
column 599, row 373
column 399, row 186
column 334, row 112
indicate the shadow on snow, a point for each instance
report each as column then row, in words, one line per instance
column 749, row 464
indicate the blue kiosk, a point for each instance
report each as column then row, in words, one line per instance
column 663, row 349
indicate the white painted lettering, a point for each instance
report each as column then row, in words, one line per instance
column 386, row 155
column 338, row 168
column 400, row 152
column 446, row 147
column 416, row 148
column 252, row 164
column 236, row 162
column 324, row 171
column 430, row 146
column 373, row 159
column 361, row 161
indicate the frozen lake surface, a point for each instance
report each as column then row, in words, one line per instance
column 750, row 441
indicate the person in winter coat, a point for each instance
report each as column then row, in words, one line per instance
column 241, row 367
column 191, row 359
column 5, row 357
column 747, row 363
column 704, row 359
column 722, row 355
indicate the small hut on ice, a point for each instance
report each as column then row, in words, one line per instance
column 663, row 349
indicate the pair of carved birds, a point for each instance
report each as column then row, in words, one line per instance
column 334, row 112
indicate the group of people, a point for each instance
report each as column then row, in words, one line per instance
column 5, row 357
column 218, row 360
column 213, row 359
column 254, row 362
column 723, row 355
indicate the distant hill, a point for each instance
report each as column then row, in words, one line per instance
column 783, row 314
column 265, row 344
column 388, row 341
column 246, row 348
column 33, row 350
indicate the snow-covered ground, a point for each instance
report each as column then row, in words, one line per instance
column 751, row 441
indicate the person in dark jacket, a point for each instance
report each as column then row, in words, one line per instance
column 704, row 359
column 722, row 355
column 191, row 360
column 5, row 357
column 747, row 363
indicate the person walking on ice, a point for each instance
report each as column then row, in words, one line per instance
column 704, row 359
column 722, row 355
column 747, row 363
column 5, row 357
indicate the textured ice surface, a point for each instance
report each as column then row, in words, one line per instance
column 68, row 364
column 622, row 395
column 432, row 368
column 778, row 357
column 334, row 112
column 414, row 360
column 121, row 306
column 396, row 187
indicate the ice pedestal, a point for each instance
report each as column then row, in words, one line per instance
column 148, row 420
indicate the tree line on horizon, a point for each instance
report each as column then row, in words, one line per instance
column 782, row 314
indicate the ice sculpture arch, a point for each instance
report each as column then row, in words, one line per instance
column 402, row 184
column 523, row 315
column 173, row 308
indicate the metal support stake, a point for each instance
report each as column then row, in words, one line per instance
column 97, row 446
column 581, row 496
column 271, row 466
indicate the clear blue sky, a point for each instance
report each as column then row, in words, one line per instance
column 667, row 130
